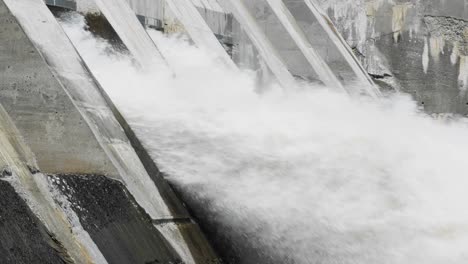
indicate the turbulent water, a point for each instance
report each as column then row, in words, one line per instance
column 307, row 176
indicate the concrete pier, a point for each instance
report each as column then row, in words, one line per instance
column 71, row 133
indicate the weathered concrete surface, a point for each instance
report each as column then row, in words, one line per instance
column 23, row 238
column 158, row 14
column 124, row 232
column 322, row 44
column 320, row 67
column 48, row 71
column 282, row 42
column 19, row 168
column 99, row 26
column 121, row 229
column 41, row 108
column 189, row 240
column 277, row 64
column 417, row 46
column 80, row 86
column 68, row 4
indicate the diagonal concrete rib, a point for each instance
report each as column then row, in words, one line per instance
column 198, row 30
column 320, row 67
column 124, row 21
column 83, row 96
column 362, row 76
column 34, row 189
column 261, row 42
column 59, row 89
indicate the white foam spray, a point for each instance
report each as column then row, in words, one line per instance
column 311, row 177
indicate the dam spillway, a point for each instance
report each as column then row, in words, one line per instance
column 91, row 137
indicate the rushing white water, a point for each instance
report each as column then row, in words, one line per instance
column 198, row 29
column 310, row 177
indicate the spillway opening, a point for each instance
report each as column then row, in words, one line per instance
column 95, row 23
column 310, row 176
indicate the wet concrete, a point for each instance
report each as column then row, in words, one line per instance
column 416, row 46
column 23, row 238
column 121, row 229
column 99, row 26
column 445, row 96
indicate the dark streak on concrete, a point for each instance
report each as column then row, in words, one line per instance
column 437, row 89
column 121, row 229
column 23, row 238
column 99, row 26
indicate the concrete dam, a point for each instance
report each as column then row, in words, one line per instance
column 233, row 131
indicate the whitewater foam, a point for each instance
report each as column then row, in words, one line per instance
column 306, row 177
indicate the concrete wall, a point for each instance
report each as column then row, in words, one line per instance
column 158, row 10
column 71, row 129
column 68, row 4
column 41, row 107
column 29, row 197
column 157, row 14
column 277, row 34
column 419, row 46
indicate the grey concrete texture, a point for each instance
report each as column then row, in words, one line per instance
column 119, row 226
column 418, row 46
column 87, row 97
column 290, row 54
column 69, row 4
column 424, row 38
column 45, row 81
column 40, row 107
column 189, row 237
column 319, row 41
column 19, row 168
column 23, row 238
column 119, row 159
